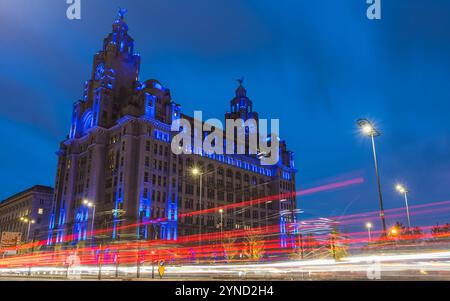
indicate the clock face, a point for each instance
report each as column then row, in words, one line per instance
column 99, row 71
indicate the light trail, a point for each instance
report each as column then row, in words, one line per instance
column 212, row 252
column 399, row 263
column 322, row 188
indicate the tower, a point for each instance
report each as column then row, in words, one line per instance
column 108, row 93
column 106, row 158
column 241, row 106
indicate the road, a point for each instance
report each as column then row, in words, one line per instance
column 415, row 266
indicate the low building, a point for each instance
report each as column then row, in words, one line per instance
column 32, row 205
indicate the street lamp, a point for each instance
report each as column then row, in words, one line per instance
column 267, row 215
column 29, row 222
column 369, row 226
column 153, row 264
column 393, row 231
column 196, row 172
column 401, row 189
column 221, row 224
column 91, row 205
column 368, row 129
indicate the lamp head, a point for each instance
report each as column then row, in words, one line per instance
column 367, row 128
column 400, row 188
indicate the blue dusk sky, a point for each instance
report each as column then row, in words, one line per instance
column 317, row 65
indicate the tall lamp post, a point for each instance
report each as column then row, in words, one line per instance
column 401, row 189
column 267, row 215
column 368, row 129
column 91, row 205
column 196, row 172
column 29, row 222
column 369, row 226
column 221, row 225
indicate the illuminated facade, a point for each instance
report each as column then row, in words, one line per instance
column 33, row 204
column 118, row 156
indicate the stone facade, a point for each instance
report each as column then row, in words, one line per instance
column 118, row 156
column 35, row 204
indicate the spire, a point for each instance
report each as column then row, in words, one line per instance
column 241, row 107
column 240, row 91
column 119, row 37
column 119, row 25
column 121, row 13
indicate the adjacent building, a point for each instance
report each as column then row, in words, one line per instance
column 118, row 157
column 33, row 205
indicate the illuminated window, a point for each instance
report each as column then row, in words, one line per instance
column 40, row 211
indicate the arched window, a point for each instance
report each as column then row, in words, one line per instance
column 86, row 120
column 220, row 171
column 246, row 178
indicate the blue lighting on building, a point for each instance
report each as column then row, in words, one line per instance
column 150, row 105
column 158, row 86
column 80, row 226
column 283, row 232
column 161, row 136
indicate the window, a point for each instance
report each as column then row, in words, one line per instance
column 145, row 194
column 41, row 211
column 220, row 171
column 189, row 189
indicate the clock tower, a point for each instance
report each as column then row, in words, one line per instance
column 114, row 78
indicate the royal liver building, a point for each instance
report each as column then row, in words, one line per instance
column 116, row 171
